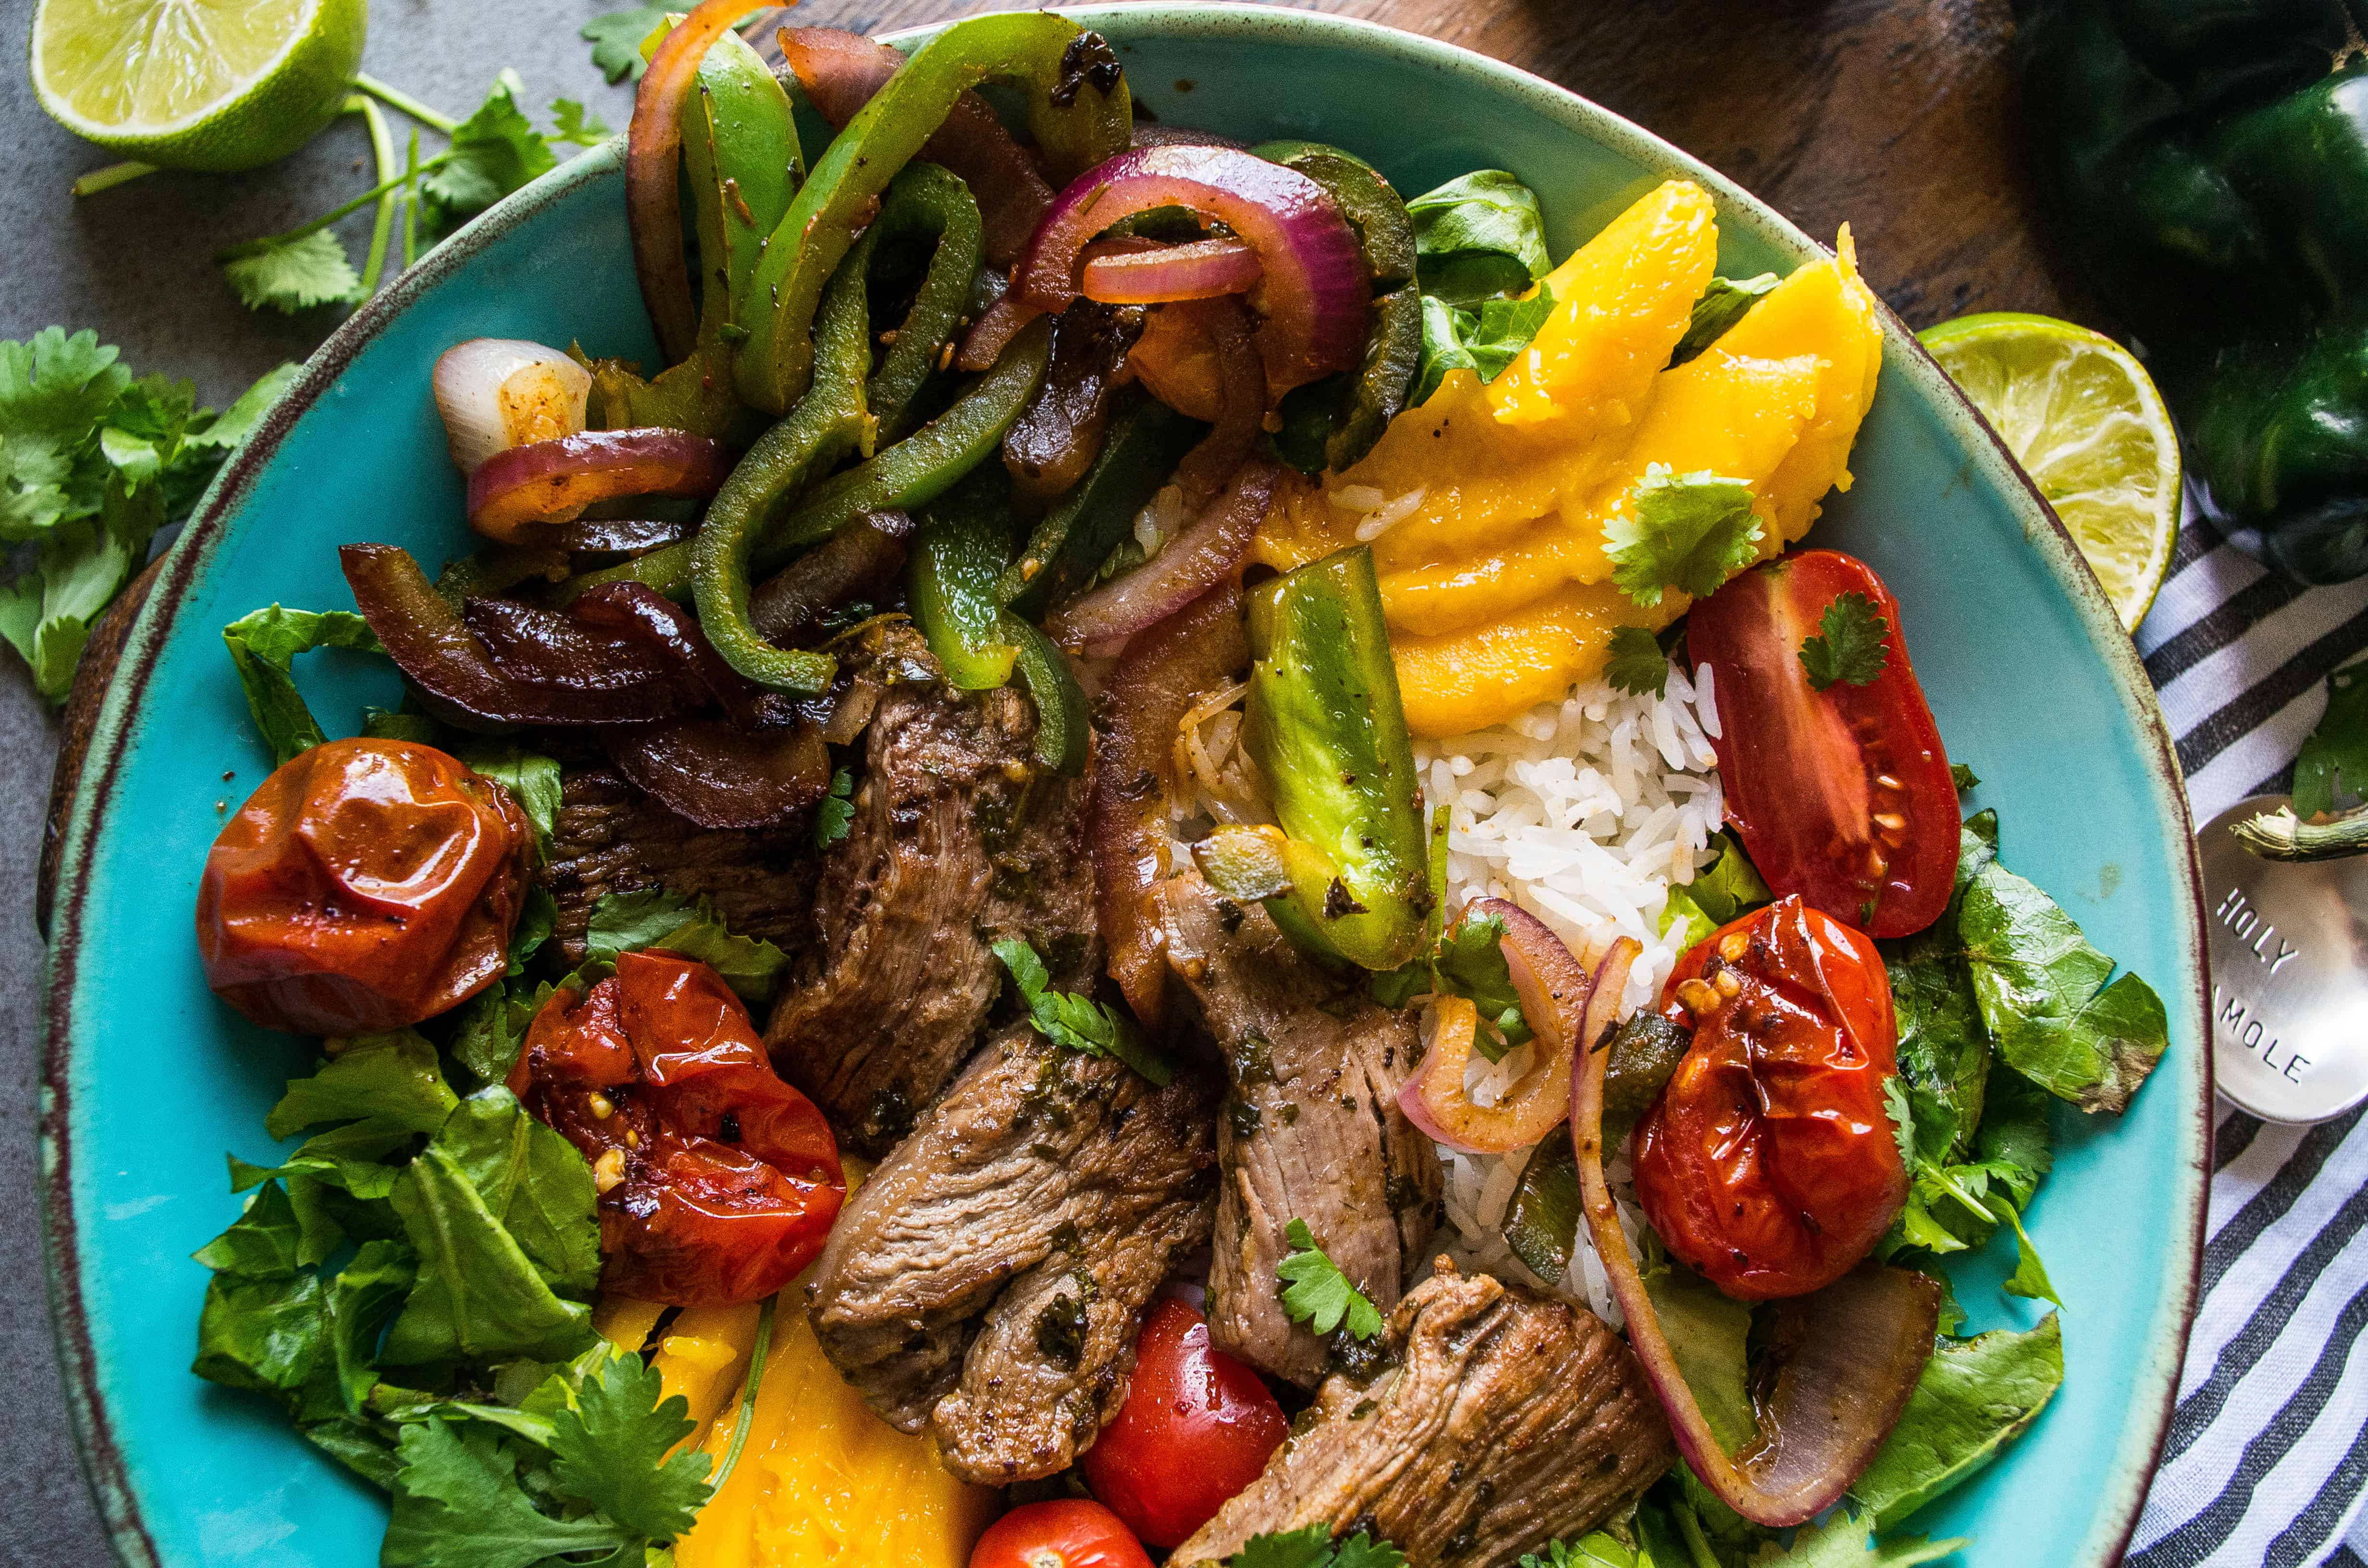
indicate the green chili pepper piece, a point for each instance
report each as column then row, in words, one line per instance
column 667, row 571
column 959, row 550
column 1377, row 392
column 740, row 141
column 829, row 423
column 925, row 464
column 1062, row 725
column 922, row 200
column 1067, row 548
column 1326, row 726
column 1077, row 109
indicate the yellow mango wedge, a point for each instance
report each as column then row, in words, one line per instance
column 704, row 1357
column 1468, row 680
column 824, row 1483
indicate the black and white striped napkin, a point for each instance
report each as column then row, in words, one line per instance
column 2268, row 1451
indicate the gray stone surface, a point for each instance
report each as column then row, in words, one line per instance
column 134, row 263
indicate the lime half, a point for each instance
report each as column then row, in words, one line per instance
column 215, row 85
column 2083, row 418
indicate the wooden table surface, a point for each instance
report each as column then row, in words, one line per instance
column 1897, row 119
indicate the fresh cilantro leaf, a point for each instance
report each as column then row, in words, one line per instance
column 1963, row 778
column 611, row 1450
column 1483, row 343
column 1972, row 1398
column 458, row 1503
column 1722, row 304
column 1078, row 1023
column 1684, row 531
column 1853, row 646
column 493, row 152
column 2332, row 769
column 55, row 390
column 616, row 39
column 291, row 275
column 1843, row 1541
column 224, row 431
column 1361, row 1550
column 577, row 124
column 1478, row 235
column 82, row 563
column 1313, row 1547
column 1471, row 963
column 1637, row 664
column 836, row 814
column 1596, row 1551
column 1318, row 1293
column 262, row 646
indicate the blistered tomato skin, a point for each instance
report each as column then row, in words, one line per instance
column 1197, row 1427
column 718, row 1182
column 368, row 884
column 1067, row 1532
column 1770, row 1165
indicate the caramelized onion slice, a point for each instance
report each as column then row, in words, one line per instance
column 552, row 482
column 717, row 774
column 1205, row 551
column 1848, row 1357
column 1556, row 994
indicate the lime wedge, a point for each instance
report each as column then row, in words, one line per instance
column 215, row 85
column 2083, row 418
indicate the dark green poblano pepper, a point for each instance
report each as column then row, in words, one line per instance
column 2208, row 161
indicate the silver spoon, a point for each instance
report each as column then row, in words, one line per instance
column 2288, row 942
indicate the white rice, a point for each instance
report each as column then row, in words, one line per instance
column 1585, row 812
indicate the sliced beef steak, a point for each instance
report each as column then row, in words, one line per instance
column 610, row 838
column 988, row 1279
column 1312, row 1131
column 959, row 838
column 1511, row 1419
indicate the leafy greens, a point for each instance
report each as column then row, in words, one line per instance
column 1318, row 1293
column 1685, row 531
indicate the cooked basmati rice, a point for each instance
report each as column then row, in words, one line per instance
column 1585, row 812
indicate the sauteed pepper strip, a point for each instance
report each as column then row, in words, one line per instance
column 1077, row 536
column 1324, row 726
column 829, row 422
column 922, row 200
column 1077, row 109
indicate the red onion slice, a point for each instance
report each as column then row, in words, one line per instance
column 543, row 648
column 652, row 194
column 717, row 774
column 637, row 611
column 1851, row 1356
column 1557, row 995
column 1313, row 293
column 841, row 70
column 1203, row 269
column 863, row 557
column 1242, row 390
column 549, row 481
column 1164, row 672
column 1192, row 563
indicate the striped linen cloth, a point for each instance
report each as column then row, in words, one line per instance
column 2268, row 1451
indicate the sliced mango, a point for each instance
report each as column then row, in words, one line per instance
column 1488, row 674
column 823, row 1482
column 704, row 1357
column 1622, row 301
column 624, row 1322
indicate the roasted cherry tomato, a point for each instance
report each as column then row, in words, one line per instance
column 1197, row 1427
column 1842, row 796
column 1067, row 1532
column 1769, row 1164
column 367, row 885
column 718, row 1181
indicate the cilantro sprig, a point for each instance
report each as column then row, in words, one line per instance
column 1313, row 1547
column 1687, row 531
column 1078, row 1023
column 1318, row 1293
column 1852, row 646
column 1637, row 664
column 835, row 814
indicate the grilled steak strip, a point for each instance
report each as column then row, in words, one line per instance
column 609, row 837
column 1312, row 1131
column 1511, row 1419
column 941, row 1293
column 958, row 838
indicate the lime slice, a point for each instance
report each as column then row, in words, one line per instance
column 215, row 85
column 2083, row 418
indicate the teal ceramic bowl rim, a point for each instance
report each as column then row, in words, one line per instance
column 2156, row 1378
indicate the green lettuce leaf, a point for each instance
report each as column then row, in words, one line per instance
column 1974, row 1396
column 1478, row 235
column 1482, row 342
column 391, row 1080
column 1844, row 1541
column 626, row 922
column 262, row 646
column 531, row 779
column 261, row 1326
column 1722, row 304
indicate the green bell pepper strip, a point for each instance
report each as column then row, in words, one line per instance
column 1377, row 390
column 1144, row 444
column 829, row 423
column 667, row 570
column 923, row 200
column 740, row 142
column 925, row 464
column 1077, row 109
column 959, row 550
column 1061, row 723
column 1325, row 725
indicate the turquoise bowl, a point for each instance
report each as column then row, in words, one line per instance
column 150, row 1080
